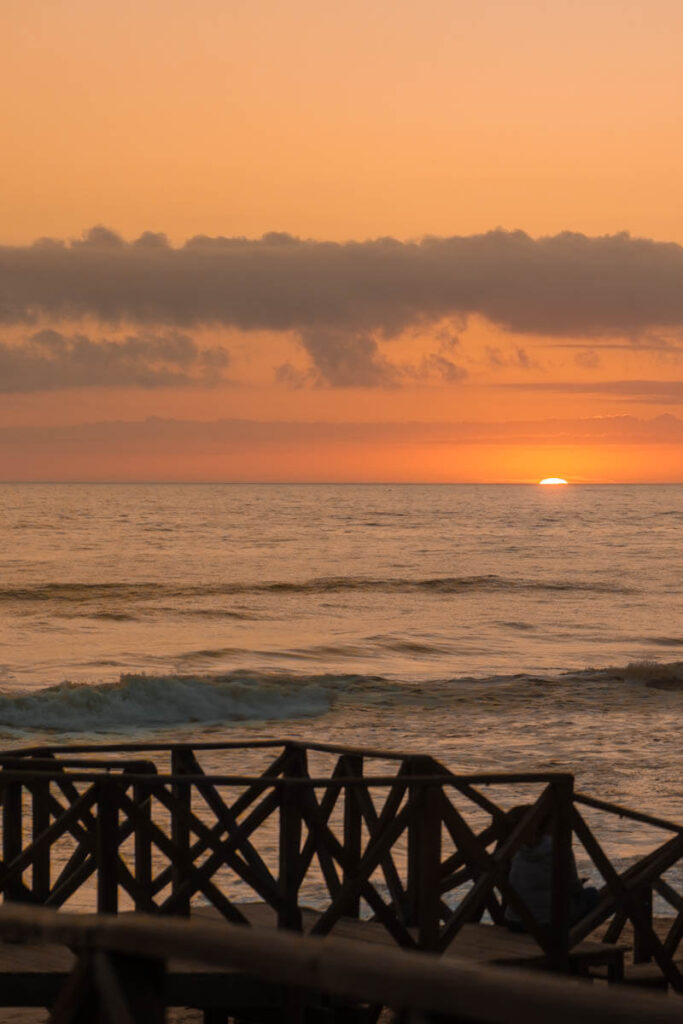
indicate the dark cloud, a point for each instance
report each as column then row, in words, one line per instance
column 51, row 361
column 352, row 360
column 347, row 360
column 567, row 285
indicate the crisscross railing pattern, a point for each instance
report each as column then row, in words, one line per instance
column 397, row 838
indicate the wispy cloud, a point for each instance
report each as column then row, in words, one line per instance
column 200, row 435
column 660, row 392
column 51, row 361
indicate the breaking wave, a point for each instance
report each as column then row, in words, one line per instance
column 148, row 701
column 139, row 702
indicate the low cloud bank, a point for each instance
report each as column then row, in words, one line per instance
column 216, row 434
column 51, row 361
column 565, row 285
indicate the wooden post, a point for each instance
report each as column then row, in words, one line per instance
column 180, row 831
column 143, row 844
column 352, row 766
column 107, row 846
column 642, row 950
column 289, row 915
column 563, row 795
column 129, row 987
column 40, row 792
column 424, row 857
column 12, row 834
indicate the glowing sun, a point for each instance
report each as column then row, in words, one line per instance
column 552, row 480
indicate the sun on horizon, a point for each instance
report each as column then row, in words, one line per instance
column 552, row 481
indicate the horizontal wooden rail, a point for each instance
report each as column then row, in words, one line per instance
column 395, row 978
column 626, row 812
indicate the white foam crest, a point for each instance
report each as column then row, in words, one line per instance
column 146, row 701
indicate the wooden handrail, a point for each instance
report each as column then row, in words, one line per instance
column 386, row 976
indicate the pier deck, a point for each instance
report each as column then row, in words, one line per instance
column 34, row 975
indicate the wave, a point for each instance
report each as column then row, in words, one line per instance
column 83, row 593
column 140, row 702
column 652, row 674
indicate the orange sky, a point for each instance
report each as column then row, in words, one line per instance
column 360, row 121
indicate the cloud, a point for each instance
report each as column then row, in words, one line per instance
column 660, row 392
column 567, row 285
column 353, row 360
column 225, row 434
column 52, row 361
column 347, row 360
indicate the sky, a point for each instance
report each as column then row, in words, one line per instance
column 407, row 241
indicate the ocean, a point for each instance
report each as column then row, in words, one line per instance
column 495, row 627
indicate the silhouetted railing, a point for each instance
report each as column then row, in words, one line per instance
column 395, row 837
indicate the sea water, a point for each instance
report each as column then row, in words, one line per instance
column 495, row 627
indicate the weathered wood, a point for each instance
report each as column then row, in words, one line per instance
column 391, row 977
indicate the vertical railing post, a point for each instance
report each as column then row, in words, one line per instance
column 289, row 915
column 351, row 766
column 40, row 808
column 413, row 858
column 423, row 897
column 142, row 795
column 642, row 950
column 562, row 790
column 107, row 845
column 12, row 833
column 427, row 871
column 180, row 829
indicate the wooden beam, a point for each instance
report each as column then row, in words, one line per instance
column 381, row 975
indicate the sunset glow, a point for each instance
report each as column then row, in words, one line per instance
column 552, row 481
column 235, row 261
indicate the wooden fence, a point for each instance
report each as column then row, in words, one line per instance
column 396, row 837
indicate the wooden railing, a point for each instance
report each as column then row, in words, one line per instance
column 118, row 977
column 396, row 837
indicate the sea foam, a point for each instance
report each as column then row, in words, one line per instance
column 146, row 701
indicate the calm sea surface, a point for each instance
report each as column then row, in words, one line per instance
column 497, row 627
